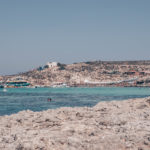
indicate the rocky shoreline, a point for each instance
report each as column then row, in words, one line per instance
column 115, row 125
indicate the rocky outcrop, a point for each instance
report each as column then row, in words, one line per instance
column 116, row 125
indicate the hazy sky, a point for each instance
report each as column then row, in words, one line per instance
column 33, row 32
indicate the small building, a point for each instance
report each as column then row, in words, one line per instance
column 52, row 64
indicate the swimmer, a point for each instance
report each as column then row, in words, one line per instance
column 49, row 99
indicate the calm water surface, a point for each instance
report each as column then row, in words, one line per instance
column 15, row 100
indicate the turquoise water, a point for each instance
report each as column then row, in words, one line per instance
column 18, row 99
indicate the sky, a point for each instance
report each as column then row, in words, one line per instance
column 34, row 32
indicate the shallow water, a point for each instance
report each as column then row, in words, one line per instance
column 18, row 99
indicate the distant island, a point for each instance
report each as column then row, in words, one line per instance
column 86, row 74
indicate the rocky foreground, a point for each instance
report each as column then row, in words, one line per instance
column 116, row 125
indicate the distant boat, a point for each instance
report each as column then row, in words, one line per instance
column 4, row 90
column 60, row 85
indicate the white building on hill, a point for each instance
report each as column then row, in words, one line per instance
column 52, row 64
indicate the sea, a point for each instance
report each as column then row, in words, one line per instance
column 13, row 100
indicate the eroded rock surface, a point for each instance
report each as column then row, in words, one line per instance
column 116, row 125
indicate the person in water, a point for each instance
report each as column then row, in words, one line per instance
column 49, row 99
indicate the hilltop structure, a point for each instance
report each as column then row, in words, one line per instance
column 52, row 64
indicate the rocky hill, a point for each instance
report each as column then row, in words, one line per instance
column 96, row 73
